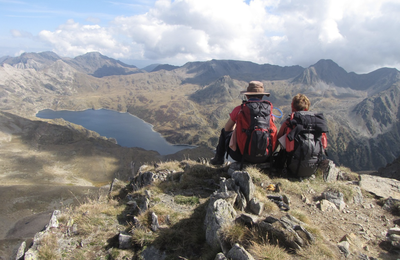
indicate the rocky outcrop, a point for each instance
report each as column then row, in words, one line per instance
column 289, row 231
column 233, row 202
column 381, row 187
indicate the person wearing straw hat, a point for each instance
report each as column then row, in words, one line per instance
column 226, row 141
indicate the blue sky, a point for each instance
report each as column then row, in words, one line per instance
column 359, row 35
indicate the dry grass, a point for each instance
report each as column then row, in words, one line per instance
column 353, row 176
column 143, row 237
column 236, row 233
column 258, row 177
column 300, row 216
column 48, row 247
column 269, row 252
column 170, row 166
column 97, row 216
column 319, row 250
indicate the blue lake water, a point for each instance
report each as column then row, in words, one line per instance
column 128, row 130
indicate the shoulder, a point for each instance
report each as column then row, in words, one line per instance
column 236, row 109
column 234, row 113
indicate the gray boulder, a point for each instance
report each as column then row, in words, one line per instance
column 287, row 231
column 335, row 197
column 330, row 171
column 219, row 214
column 243, row 180
column 256, row 206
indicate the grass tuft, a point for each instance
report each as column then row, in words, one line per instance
column 186, row 200
column 236, row 233
column 48, row 247
column 268, row 252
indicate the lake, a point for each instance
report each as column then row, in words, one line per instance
column 128, row 130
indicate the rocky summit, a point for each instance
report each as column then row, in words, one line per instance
column 54, row 170
column 192, row 210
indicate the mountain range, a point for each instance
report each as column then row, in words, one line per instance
column 189, row 104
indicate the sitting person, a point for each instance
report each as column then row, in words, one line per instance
column 243, row 149
column 300, row 102
column 302, row 138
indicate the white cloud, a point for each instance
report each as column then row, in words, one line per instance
column 72, row 39
column 359, row 35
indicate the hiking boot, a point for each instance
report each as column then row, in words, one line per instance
column 217, row 161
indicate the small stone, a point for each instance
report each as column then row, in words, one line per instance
column 238, row 252
column 220, row 256
column 125, row 241
column 154, row 222
column 344, row 247
column 395, row 230
column 326, row 205
column 394, row 237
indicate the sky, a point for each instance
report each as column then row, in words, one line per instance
column 359, row 35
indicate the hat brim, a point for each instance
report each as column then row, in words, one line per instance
column 254, row 93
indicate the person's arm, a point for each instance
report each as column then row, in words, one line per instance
column 230, row 125
column 324, row 140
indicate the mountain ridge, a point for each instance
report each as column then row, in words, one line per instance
column 190, row 104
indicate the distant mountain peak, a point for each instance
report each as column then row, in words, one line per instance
column 164, row 67
column 327, row 71
column 32, row 60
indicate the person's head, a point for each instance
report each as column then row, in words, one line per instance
column 255, row 89
column 300, row 102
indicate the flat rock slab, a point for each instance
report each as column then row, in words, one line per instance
column 381, row 187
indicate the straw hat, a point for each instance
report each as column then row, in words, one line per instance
column 255, row 88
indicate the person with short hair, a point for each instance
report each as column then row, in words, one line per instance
column 302, row 138
column 300, row 102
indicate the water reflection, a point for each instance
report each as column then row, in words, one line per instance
column 128, row 130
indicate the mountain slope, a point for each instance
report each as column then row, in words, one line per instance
column 378, row 80
column 93, row 63
column 222, row 90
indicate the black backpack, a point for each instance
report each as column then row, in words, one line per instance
column 256, row 131
column 304, row 147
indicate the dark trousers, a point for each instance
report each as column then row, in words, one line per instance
column 223, row 146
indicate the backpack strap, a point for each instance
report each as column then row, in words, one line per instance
column 246, row 149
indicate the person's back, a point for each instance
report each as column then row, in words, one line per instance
column 250, row 133
column 304, row 138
